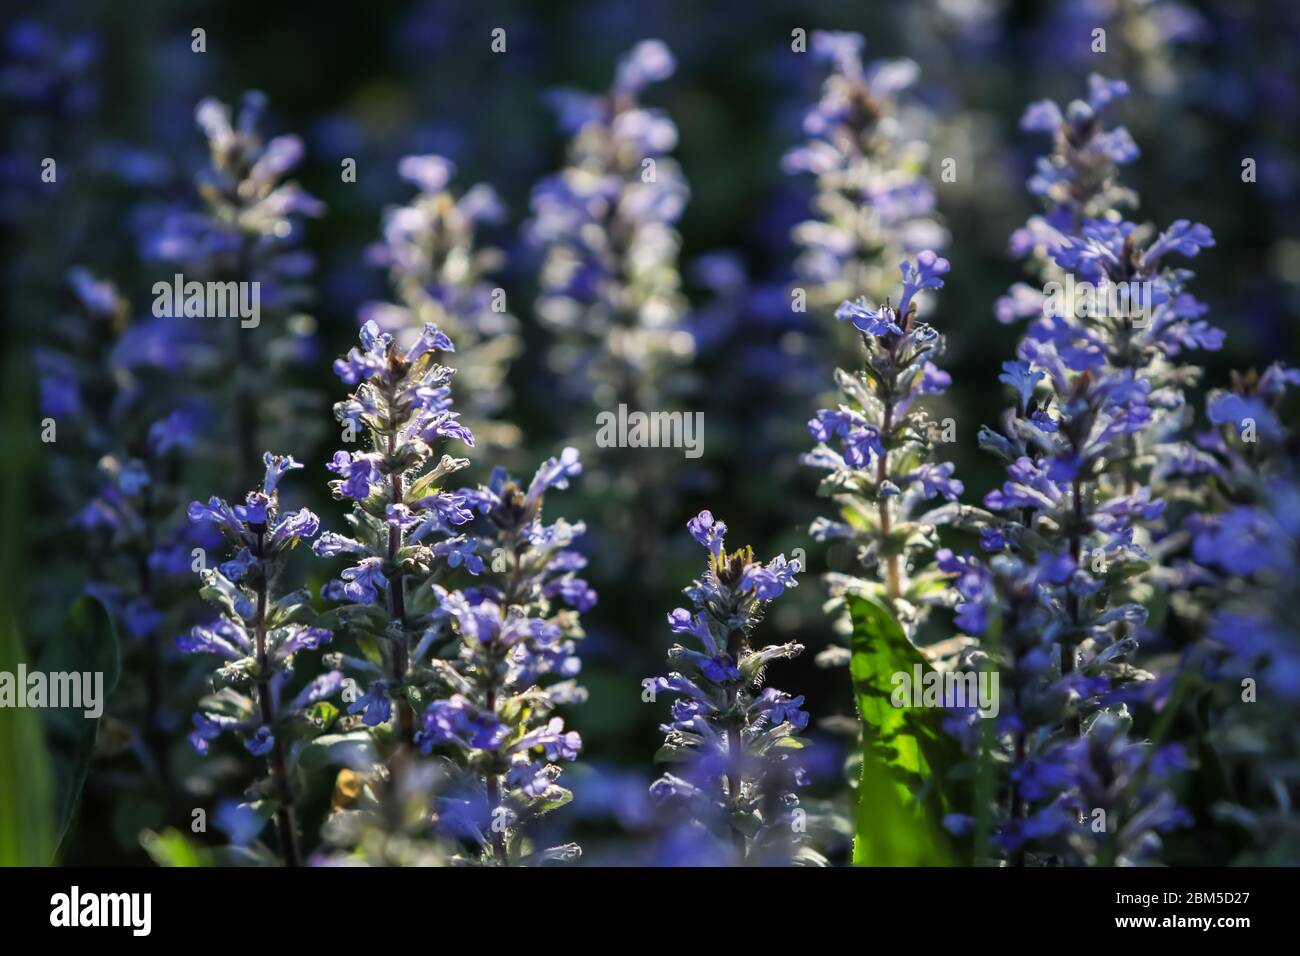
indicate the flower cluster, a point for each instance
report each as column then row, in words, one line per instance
column 1098, row 401
column 119, row 478
column 403, row 526
column 874, row 204
column 1061, row 652
column 1143, row 40
column 494, row 722
column 257, row 637
column 249, row 231
column 733, row 744
column 610, row 289
column 1113, row 310
column 1243, row 552
column 440, row 274
column 1123, row 579
column 1078, row 179
column 878, row 447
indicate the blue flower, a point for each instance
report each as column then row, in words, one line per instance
column 554, row 473
column 725, row 726
column 650, row 61
column 708, row 533
column 880, row 321
column 238, row 821
column 374, row 705
column 360, row 471
column 260, row 742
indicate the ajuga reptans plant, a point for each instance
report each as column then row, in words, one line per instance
column 874, row 205
column 402, row 523
column 879, row 447
column 1237, row 580
column 514, row 664
column 610, row 289
column 258, row 635
column 733, row 745
column 441, row 274
column 1059, row 600
column 249, row 231
column 460, row 672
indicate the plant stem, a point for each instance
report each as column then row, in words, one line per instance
column 736, row 745
column 246, row 424
column 284, row 816
column 735, row 782
column 492, row 784
column 893, row 586
column 397, row 595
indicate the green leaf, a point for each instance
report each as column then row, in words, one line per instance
column 355, row 750
column 173, row 848
column 554, row 798
column 901, row 792
column 323, row 713
column 88, row 644
column 26, row 824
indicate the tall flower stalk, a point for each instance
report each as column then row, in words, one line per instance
column 879, row 449
column 874, row 204
column 610, row 288
column 402, row 524
column 249, row 231
column 513, row 666
column 258, row 636
column 1243, row 552
column 1112, row 308
column 130, row 441
column 734, row 744
column 1098, row 400
column 441, row 274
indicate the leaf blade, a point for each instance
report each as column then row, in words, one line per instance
column 905, row 753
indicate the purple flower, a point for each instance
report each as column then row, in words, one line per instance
column 724, row 732
column 554, row 473
column 373, row 705
column 880, row 321
column 707, row 532
column 650, row 61
column 360, row 471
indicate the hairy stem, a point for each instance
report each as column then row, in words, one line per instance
column 893, row 584
column 285, row 824
column 397, row 596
